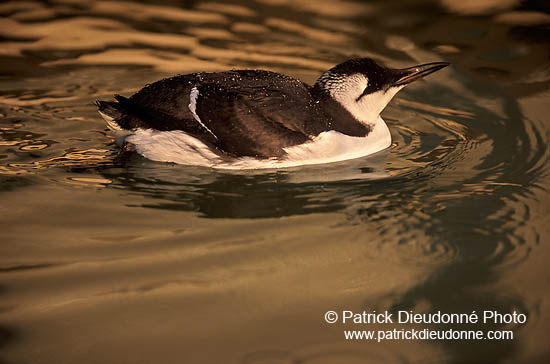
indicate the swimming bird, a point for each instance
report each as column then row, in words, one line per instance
column 260, row 119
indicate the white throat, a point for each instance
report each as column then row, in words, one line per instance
column 367, row 110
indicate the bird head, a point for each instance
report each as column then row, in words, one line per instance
column 364, row 87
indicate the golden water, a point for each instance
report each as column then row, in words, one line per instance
column 110, row 261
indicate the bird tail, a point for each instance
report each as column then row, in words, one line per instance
column 111, row 112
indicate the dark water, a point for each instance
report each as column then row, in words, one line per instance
column 104, row 260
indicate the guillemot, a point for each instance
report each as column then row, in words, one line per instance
column 260, row 119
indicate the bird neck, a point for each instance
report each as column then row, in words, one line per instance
column 340, row 118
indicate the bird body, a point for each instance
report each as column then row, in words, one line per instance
column 261, row 119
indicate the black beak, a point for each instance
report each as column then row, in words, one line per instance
column 407, row 75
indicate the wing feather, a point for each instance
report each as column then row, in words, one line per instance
column 246, row 124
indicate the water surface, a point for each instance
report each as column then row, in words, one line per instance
column 109, row 258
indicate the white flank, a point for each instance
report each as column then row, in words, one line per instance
column 327, row 147
column 172, row 146
column 193, row 96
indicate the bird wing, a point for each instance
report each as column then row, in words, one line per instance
column 254, row 121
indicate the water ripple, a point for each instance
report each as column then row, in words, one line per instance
column 450, row 218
